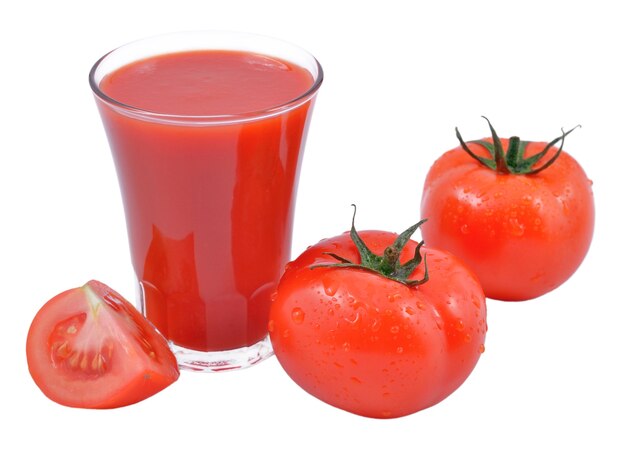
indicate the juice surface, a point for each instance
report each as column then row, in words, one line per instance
column 202, row 83
column 209, row 208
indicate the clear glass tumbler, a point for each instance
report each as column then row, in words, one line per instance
column 207, row 135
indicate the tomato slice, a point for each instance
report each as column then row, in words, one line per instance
column 88, row 347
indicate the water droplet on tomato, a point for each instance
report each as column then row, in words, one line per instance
column 481, row 348
column 330, row 286
column 274, row 295
column 297, row 315
column 438, row 320
column 468, row 338
column 459, row 325
column 375, row 325
column 285, row 333
column 516, row 228
column 395, row 329
column 352, row 317
column 527, row 199
column 399, row 349
column 420, row 305
column 356, row 380
column 346, row 346
column 270, row 326
column 393, row 297
column 409, row 310
column 464, row 229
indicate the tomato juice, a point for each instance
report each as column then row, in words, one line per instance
column 207, row 146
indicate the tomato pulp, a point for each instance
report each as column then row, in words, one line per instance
column 207, row 147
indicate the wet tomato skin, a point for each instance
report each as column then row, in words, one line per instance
column 523, row 235
column 373, row 346
column 88, row 347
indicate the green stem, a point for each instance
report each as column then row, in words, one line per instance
column 513, row 162
column 388, row 265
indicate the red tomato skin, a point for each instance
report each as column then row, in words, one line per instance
column 373, row 346
column 132, row 373
column 523, row 235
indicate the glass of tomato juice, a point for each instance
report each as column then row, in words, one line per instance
column 207, row 132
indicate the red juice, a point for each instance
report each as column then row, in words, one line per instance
column 209, row 202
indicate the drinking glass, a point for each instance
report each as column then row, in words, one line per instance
column 208, row 199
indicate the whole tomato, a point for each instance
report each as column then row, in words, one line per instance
column 520, row 214
column 392, row 335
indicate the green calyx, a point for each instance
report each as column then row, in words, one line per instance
column 388, row 265
column 513, row 162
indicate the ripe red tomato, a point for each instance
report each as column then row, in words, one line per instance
column 369, row 343
column 522, row 224
column 90, row 348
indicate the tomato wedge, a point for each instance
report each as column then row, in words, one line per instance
column 88, row 347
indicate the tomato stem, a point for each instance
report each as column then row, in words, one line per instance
column 387, row 265
column 513, row 162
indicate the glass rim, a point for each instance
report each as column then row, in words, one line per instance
column 207, row 119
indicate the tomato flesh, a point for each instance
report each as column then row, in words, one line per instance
column 373, row 346
column 90, row 348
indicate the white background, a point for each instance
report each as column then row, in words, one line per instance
column 549, row 390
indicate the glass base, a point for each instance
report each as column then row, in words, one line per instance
column 218, row 361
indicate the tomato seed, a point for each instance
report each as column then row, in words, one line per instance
column 97, row 364
column 63, row 350
column 74, row 358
